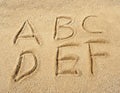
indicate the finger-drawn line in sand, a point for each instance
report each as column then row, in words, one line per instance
column 65, row 25
column 19, row 66
column 84, row 22
column 91, row 55
column 67, row 58
column 32, row 35
column 101, row 41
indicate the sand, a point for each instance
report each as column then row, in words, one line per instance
column 59, row 46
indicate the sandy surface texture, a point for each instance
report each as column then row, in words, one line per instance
column 59, row 46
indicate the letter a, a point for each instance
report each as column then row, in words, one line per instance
column 26, row 31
